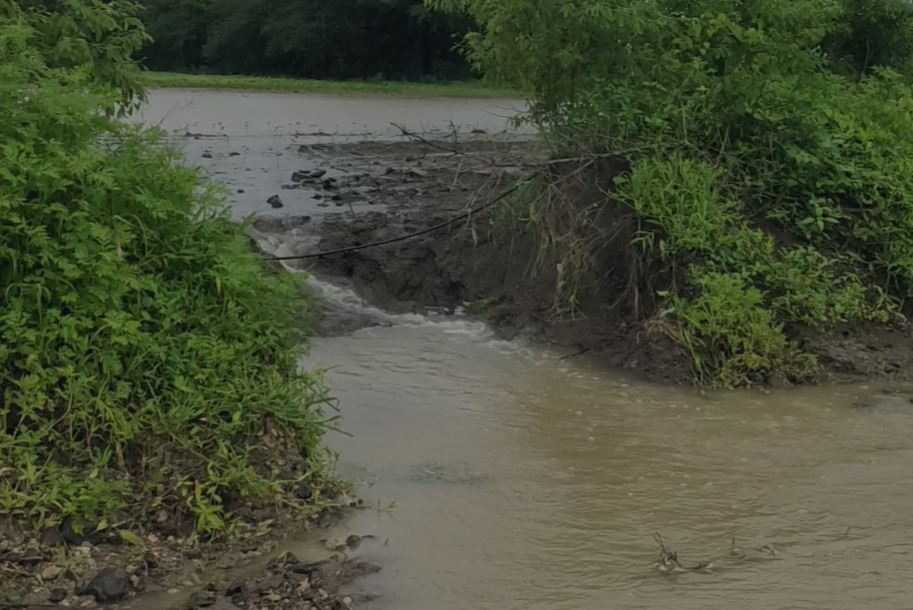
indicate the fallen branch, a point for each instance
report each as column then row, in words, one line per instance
column 393, row 240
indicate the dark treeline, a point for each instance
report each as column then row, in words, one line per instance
column 392, row 39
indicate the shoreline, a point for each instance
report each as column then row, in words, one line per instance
column 266, row 84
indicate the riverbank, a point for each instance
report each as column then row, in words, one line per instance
column 227, row 82
column 481, row 264
column 264, row 564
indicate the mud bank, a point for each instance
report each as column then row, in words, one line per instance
column 156, row 571
column 472, row 265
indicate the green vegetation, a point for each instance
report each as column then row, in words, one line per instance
column 148, row 360
column 342, row 39
column 769, row 155
column 291, row 85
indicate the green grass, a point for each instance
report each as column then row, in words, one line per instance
column 465, row 89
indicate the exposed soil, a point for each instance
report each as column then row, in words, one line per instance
column 149, row 570
column 471, row 264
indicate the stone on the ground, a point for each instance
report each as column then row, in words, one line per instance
column 108, row 585
column 51, row 537
column 239, row 591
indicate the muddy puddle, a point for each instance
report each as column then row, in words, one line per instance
column 502, row 475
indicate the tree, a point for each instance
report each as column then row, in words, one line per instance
column 340, row 39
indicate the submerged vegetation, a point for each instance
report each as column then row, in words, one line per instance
column 767, row 152
column 148, row 360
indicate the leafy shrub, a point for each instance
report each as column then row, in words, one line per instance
column 756, row 153
column 731, row 335
column 147, row 359
column 97, row 37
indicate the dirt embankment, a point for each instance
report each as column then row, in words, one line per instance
column 473, row 263
column 159, row 571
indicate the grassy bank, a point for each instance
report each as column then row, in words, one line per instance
column 472, row 89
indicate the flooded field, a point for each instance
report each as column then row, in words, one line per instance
column 249, row 141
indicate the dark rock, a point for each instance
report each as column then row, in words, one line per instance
column 275, row 201
column 57, row 595
column 479, row 132
column 234, row 154
column 75, row 533
column 336, row 197
column 303, row 176
column 240, row 190
column 206, row 154
column 304, row 568
column 52, row 537
column 108, row 585
column 303, row 491
column 289, row 187
column 317, row 196
column 239, row 591
column 329, row 184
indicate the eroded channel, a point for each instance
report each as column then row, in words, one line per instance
column 501, row 476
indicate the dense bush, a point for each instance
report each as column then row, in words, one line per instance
column 771, row 146
column 147, row 359
column 310, row 38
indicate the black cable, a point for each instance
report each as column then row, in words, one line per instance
column 393, row 240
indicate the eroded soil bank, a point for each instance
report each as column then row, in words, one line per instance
column 481, row 263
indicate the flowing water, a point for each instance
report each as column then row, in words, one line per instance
column 504, row 477
column 523, row 481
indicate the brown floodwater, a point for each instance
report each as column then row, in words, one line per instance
column 523, row 481
column 503, row 477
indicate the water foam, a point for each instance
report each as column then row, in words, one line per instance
column 338, row 298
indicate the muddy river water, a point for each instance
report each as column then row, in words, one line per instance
column 502, row 476
column 523, row 481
